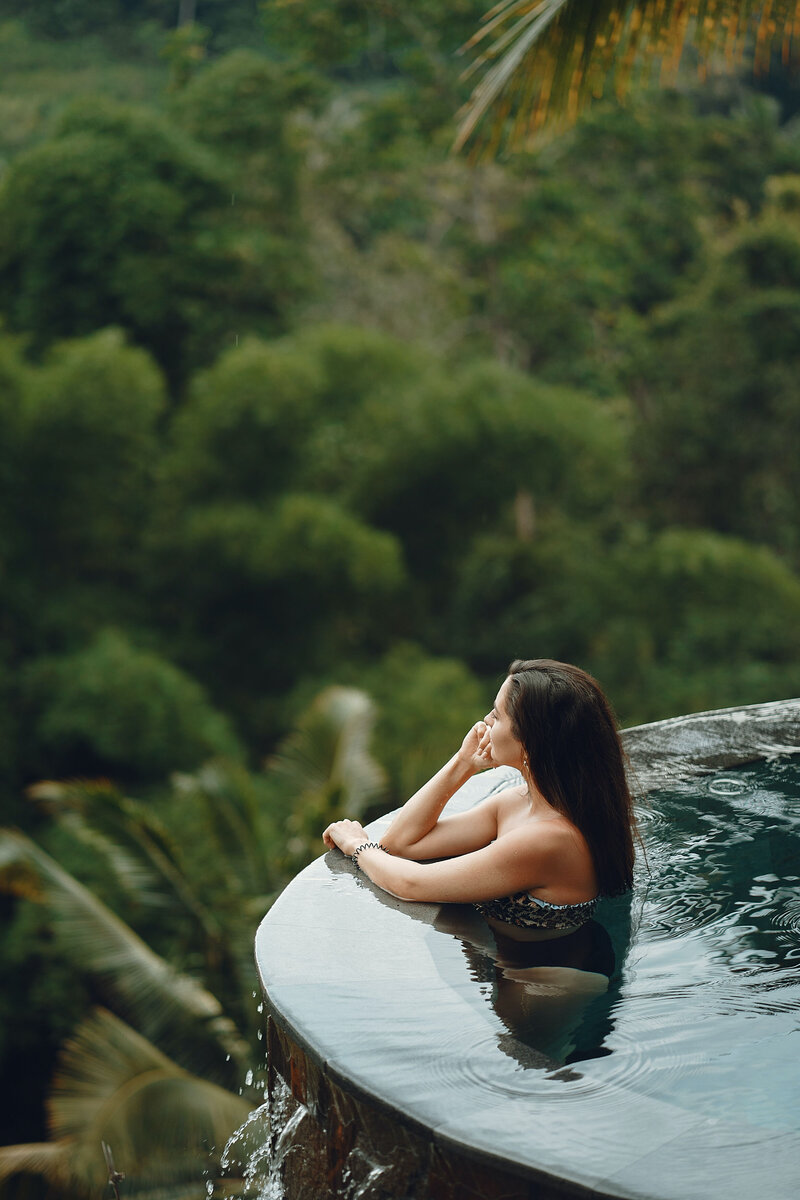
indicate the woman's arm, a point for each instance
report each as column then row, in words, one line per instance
column 519, row 861
column 420, row 814
column 417, row 831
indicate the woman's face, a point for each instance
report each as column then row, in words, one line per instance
column 506, row 748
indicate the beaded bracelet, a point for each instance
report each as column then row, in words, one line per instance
column 366, row 846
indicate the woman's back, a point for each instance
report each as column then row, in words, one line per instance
column 562, row 894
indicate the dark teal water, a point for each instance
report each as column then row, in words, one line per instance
column 703, row 1003
column 706, row 1007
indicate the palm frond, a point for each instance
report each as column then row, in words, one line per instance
column 138, row 847
column 543, row 61
column 114, row 1086
column 327, row 754
column 137, row 879
column 18, row 876
column 146, row 985
column 232, row 808
column 47, row 1159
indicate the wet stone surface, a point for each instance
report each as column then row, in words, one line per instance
column 656, row 1057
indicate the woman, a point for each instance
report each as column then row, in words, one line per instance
column 534, row 858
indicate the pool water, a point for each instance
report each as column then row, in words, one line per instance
column 706, row 1007
column 700, row 1001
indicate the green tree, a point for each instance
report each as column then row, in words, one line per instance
column 184, row 866
column 698, row 621
column 674, row 622
column 612, row 220
column 716, row 388
column 244, row 428
column 254, row 537
column 238, row 106
column 283, row 412
column 460, row 453
column 114, row 1086
column 66, row 18
column 90, row 431
column 264, row 594
column 231, row 21
column 12, row 541
column 327, row 768
column 113, row 1083
column 185, row 51
column 121, row 218
column 528, row 597
column 80, row 433
column 111, row 707
column 359, row 41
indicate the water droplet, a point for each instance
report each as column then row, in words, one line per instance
column 727, row 787
column 249, row 1078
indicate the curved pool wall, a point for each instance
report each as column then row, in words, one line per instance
column 371, row 1009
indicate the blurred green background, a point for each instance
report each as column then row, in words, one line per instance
column 309, row 426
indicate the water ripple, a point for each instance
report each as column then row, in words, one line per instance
column 708, row 983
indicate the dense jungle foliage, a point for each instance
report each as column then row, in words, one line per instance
column 309, row 427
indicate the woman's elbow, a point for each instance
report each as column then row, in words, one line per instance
column 406, row 884
column 396, row 847
column 415, row 886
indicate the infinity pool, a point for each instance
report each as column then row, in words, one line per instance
column 655, row 1055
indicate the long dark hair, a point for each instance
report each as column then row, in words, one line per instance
column 569, row 733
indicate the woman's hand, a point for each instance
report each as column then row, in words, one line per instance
column 346, row 835
column 476, row 749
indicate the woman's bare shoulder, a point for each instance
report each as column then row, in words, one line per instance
column 510, row 797
column 551, row 838
column 563, row 855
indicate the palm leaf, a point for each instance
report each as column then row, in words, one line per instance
column 542, row 61
column 35, row 1158
column 326, row 759
column 135, row 877
column 114, row 1086
column 138, row 847
column 147, row 986
column 232, row 807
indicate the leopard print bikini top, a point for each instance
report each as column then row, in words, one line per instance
column 530, row 913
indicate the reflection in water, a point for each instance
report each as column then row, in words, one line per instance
column 554, row 995
column 690, row 989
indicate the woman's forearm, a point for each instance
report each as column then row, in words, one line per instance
column 393, row 873
column 418, row 815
